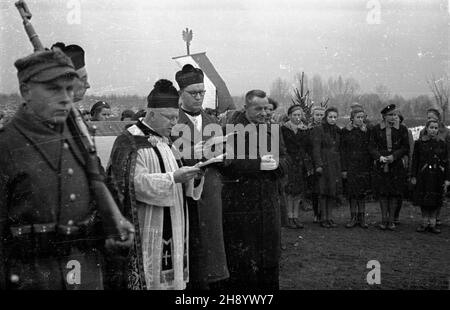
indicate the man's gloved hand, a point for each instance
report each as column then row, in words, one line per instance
column 268, row 163
column 126, row 238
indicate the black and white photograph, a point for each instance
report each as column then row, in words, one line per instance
column 226, row 150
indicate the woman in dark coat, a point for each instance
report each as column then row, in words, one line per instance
column 312, row 178
column 327, row 160
column 357, row 163
column 430, row 173
column 295, row 137
column 388, row 144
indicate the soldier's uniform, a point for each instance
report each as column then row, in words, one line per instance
column 49, row 236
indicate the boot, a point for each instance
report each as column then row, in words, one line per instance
column 325, row 224
column 291, row 223
column 297, row 223
column 353, row 221
column 391, row 226
column 421, row 228
column 332, row 224
column 435, row 230
column 362, row 220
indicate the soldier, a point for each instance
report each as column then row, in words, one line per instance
column 49, row 235
column 76, row 54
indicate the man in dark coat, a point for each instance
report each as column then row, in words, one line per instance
column 250, row 208
column 49, row 234
column 388, row 144
column 207, row 260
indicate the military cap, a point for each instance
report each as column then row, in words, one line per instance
column 163, row 95
column 44, row 66
column 75, row 52
column 188, row 76
column 388, row 109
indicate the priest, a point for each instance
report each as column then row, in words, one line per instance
column 151, row 187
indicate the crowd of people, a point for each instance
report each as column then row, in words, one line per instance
column 360, row 162
column 101, row 111
column 178, row 223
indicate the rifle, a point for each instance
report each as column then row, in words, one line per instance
column 114, row 223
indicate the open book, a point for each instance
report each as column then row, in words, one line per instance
column 214, row 160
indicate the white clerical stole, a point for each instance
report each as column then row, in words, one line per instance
column 197, row 121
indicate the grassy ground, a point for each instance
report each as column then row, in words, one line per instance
column 321, row 258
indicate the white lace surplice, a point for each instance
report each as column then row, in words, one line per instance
column 156, row 191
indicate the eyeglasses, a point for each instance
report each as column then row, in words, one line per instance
column 195, row 93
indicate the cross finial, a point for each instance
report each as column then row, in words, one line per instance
column 187, row 37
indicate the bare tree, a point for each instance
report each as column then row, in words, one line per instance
column 280, row 91
column 383, row 92
column 441, row 92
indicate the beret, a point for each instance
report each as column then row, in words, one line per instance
column 97, row 105
column 388, row 109
column 76, row 54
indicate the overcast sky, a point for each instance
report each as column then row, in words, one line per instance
column 130, row 44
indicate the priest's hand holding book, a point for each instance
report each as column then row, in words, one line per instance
column 185, row 174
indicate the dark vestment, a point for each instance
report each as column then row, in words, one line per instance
column 48, row 220
column 430, row 167
column 251, row 217
column 207, row 259
column 126, row 270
